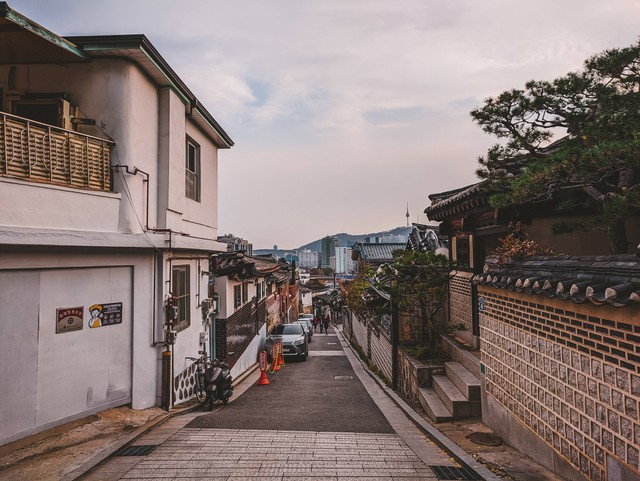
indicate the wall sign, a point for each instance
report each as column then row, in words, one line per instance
column 69, row 319
column 481, row 303
column 105, row 314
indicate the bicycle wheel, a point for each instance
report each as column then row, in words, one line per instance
column 201, row 392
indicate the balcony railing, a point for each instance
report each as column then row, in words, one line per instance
column 44, row 153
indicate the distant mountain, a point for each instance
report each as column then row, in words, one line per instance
column 347, row 240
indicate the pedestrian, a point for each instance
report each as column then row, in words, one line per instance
column 315, row 323
column 325, row 323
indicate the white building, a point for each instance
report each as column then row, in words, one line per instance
column 99, row 224
column 344, row 263
column 308, row 258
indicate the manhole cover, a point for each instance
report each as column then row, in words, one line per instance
column 485, row 439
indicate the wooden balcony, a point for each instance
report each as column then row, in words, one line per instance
column 43, row 153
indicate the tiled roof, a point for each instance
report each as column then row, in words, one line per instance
column 613, row 280
column 423, row 237
column 378, row 252
column 248, row 267
column 455, row 202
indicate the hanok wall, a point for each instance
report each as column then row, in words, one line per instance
column 562, row 382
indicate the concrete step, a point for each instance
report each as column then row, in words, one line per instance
column 464, row 380
column 433, row 405
column 460, row 354
column 455, row 402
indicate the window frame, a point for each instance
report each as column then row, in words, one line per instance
column 193, row 178
column 183, row 299
column 237, row 296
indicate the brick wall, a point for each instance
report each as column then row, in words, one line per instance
column 460, row 299
column 569, row 372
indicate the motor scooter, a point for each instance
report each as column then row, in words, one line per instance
column 217, row 382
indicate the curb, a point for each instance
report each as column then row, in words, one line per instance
column 445, row 443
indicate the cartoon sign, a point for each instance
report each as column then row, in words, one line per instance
column 105, row 314
column 69, row 319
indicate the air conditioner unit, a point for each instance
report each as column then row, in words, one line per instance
column 48, row 109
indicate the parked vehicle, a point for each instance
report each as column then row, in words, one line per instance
column 217, row 379
column 202, row 364
column 293, row 337
column 306, row 323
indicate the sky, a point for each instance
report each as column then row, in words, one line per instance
column 345, row 113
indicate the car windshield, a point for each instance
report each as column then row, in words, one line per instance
column 284, row 329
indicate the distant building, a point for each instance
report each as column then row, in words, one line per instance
column 386, row 239
column 236, row 244
column 328, row 250
column 308, row 258
column 344, row 263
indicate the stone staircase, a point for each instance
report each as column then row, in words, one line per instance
column 456, row 393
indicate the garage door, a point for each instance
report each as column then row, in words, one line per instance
column 89, row 368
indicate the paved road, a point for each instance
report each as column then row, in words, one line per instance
column 323, row 419
column 320, row 394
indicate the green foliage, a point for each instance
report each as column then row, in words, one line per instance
column 596, row 113
column 421, row 286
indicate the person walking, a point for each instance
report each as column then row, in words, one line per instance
column 315, row 323
column 325, row 323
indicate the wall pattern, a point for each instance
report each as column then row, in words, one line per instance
column 460, row 304
column 572, row 378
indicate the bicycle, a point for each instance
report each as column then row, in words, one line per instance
column 202, row 363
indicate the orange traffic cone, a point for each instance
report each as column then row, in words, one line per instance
column 263, row 381
column 280, row 357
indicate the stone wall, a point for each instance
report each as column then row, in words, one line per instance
column 413, row 374
column 566, row 377
column 380, row 352
column 374, row 344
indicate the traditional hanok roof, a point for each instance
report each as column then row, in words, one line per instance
column 423, row 238
column 613, row 280
column 240, row 266
column 458, row 201
column 377, row 253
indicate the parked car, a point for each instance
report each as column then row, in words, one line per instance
column 308, row 327
column 306, row 316
column 293, row 337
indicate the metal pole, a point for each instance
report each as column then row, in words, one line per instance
column 166, row 379
column 394, row 338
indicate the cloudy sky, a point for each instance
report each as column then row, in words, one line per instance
column 343, row 112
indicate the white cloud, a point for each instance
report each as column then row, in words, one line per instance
column 365, row 103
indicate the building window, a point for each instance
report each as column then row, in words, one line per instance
column 463, row 254
column 192, row 172
column 245, row 292
column 237, row 296
column 181, row 292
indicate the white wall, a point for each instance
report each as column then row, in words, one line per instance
column 54, row 207
column 70, row 375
